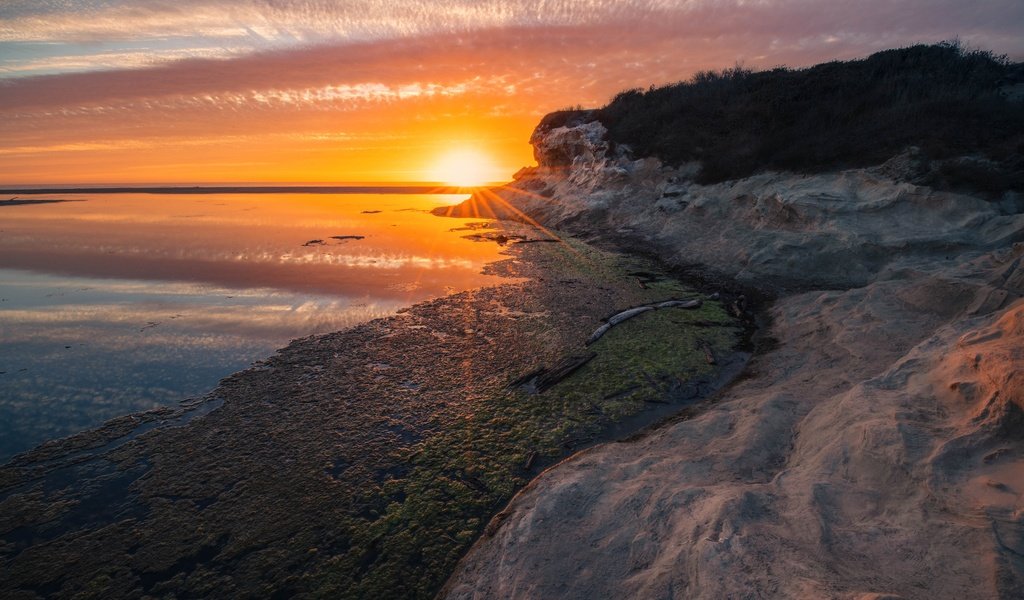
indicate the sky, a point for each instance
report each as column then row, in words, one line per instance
column 318, row 91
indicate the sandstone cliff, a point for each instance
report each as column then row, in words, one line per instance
column 875, row 450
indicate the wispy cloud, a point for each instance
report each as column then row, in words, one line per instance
column 332, row 138
column 108, row 60
column 260, row 25
column 109, row 70
column 299, row 20
column 323, row 98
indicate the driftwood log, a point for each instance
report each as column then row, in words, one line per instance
column 627, row 314
column 542, row 379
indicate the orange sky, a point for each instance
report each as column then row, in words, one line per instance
column 207, row 91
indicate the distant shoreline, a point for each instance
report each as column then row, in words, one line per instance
column 17, row 202
column 316, row 189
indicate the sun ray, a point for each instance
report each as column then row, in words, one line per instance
column 465, row 168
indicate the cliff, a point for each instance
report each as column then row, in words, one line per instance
column 873, row 449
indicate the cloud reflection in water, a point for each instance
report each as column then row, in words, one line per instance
column 117, row 304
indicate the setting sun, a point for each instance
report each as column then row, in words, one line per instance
column 466, row 167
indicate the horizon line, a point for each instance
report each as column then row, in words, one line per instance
column 338, row 188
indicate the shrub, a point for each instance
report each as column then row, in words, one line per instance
column 943, row 98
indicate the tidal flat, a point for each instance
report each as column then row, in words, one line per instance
column 364, row 463
column 113, row 304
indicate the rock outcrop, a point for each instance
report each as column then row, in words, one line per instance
column 876, row 450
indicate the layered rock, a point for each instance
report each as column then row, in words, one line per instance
column 876, row 450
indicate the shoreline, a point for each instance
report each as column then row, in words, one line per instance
column 279, row 398
column 225, row 282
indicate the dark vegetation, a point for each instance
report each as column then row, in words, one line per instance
column 944, row 99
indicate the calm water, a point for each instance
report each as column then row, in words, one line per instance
column 111, row 304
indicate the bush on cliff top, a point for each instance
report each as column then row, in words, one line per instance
column 945, row 99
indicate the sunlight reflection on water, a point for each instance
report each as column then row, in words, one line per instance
column 127, row 302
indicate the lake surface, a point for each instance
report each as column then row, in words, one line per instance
column 112, row 304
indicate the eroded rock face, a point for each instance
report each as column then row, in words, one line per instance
column 582, row 144
column 776, row 230
column 877, row 451
column 880, row 440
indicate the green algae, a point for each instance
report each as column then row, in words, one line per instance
column 464, row 474
column 363, row 464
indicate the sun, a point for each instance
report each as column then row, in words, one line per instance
column 465, row 167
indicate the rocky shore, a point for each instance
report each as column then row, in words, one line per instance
column 498, row 443
column 875, row 450
column 363, row 464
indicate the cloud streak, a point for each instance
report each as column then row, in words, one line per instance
column 223, row 69
column 260, row 25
